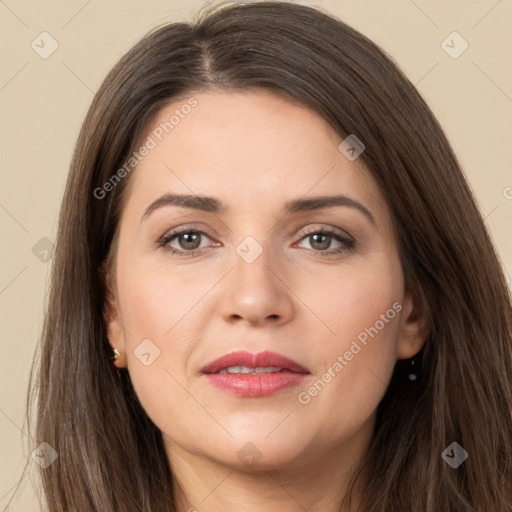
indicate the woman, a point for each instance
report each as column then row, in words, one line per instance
column 272, row 288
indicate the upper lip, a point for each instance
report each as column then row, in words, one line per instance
column 258, row 360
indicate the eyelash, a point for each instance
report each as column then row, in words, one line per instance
column 331, row 232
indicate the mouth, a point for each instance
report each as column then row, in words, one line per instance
column 246, row 362
column 246, row 370
column 254, row 375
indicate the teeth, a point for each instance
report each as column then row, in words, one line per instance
column 247, row 369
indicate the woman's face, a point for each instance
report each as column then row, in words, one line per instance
column 319, row 284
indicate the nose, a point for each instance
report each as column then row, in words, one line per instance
column 257, row 292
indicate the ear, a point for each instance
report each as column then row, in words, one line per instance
column 415, row 326
column 115, row 332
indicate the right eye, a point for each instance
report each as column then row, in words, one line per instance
column 188, row 239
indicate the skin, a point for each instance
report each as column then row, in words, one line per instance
column 254, row 151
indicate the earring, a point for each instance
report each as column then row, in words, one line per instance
column 116, row 354
column 412, row 375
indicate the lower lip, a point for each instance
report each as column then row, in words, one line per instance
column 255, row 385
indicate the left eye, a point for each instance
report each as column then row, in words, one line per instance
column 323, row 240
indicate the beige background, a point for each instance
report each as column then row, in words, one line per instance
column 43, row 103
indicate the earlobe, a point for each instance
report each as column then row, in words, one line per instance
column 115, row 333
column 415, row 325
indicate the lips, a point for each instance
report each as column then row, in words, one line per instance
column 254, row 375
column 259, row 360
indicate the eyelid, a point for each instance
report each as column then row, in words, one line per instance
column 186, row 228
column 328, row 230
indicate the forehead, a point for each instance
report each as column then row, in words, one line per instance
column 249, row 148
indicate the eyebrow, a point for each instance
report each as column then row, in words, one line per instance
column 213, row 205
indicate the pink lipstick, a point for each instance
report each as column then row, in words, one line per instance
column 254, row 375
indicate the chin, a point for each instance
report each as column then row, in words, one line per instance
column 257, row 449
column 256, row 455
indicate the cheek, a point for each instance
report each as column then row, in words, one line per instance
column 355, row 298
column 157, row 303
column 160, row 316
column 358, row 359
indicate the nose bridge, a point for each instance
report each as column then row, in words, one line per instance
column 256, row 291
column 253, row 266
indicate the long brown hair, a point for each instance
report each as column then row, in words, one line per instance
column 110, row 455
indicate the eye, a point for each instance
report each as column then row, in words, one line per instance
column 321, row 239
column 188, row 241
